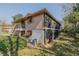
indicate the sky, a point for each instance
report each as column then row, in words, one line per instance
column 8, row 10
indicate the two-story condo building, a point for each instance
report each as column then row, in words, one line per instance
column 39, row 26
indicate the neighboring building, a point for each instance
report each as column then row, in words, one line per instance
column 5, row 27
column 39, row 26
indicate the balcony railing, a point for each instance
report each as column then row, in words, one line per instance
column 20, row 29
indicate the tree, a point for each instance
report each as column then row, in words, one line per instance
column 18, row 16
column 71, row 20
column 76, row 7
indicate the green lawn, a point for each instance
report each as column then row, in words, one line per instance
column 4, row 34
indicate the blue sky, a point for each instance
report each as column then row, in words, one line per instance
column 9, row 10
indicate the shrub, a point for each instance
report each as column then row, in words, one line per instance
column 5, row 44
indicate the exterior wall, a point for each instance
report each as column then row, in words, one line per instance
column 50, row 21
column 50, row 26
column 38, row 35
column 37, row 23
column 36, row 26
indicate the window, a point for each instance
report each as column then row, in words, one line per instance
column 28, row 33
column 23, row 24
column 30, row 20
column 18, row 26
column 47, row 21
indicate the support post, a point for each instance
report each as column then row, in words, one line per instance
column 44, row 29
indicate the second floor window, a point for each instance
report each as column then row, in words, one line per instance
column 18, row 26
column 30, row 20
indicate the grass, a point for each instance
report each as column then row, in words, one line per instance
column 34, row 52
column 29, row 52
column 63, row 46
column 4, row 34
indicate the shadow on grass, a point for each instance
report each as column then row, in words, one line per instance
column 66, row 47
